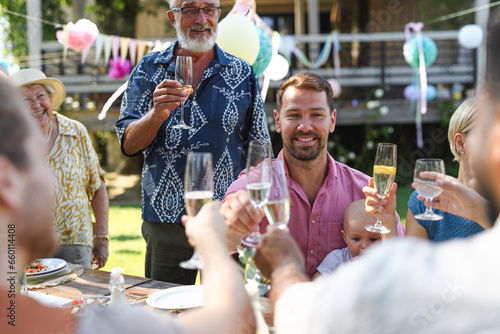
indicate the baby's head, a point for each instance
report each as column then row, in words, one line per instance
column 354, row 233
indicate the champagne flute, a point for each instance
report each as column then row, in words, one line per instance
column 277, row 208
column 427, row 186
column 384, row 171
column 184, row 74
column 198, row 191
column 258, row 179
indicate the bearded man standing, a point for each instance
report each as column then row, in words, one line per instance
column 225, row 111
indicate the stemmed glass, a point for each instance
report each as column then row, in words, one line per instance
column 184, row 74
column 427, row 186
column 259, row 179
column 198, row 191
column 277, row 208
column 384, row 171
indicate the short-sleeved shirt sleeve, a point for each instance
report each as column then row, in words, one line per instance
column 333, row 260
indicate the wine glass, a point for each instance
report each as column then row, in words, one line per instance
column 427, row 186
column 258, row 178
column 198, row 191
column 277, row 208
column 384, row 171
column 184, row 74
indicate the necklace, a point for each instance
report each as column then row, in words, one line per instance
column 50, row 131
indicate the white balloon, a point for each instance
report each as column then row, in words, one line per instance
column 278, row 68
column 470, row 36
column 337, row 89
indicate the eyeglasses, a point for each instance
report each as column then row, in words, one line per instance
column 194, row 11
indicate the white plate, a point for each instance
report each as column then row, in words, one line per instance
column 44, row 275
column 52, row 264
column 178, row 298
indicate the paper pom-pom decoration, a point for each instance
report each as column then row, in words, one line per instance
column 411, row 52
column 81, row 35
column 265, row 52
column 237, row 35
column 470, row 36
column 117, row 69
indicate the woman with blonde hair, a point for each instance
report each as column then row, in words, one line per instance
column 451, row 226
column 74, row 163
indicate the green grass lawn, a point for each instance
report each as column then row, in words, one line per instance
column 127, row 246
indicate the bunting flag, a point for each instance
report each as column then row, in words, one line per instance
column 124, row 43
column 99, row 43
column 85, row 53
column 132, row 50
column 115, row 45
column 141, row 49
column 107, row 48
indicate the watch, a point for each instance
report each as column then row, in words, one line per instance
column 102, row 236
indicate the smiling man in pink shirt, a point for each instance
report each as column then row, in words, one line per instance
column 320, row 188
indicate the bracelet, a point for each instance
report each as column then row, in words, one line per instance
column 102, row 236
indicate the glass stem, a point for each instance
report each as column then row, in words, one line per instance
column 428, row 209
column 182, row 112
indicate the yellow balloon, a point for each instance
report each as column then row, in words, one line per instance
column 237, row 35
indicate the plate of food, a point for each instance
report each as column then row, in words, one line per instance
column 78, row 305
column 178, row 298
column 45, row 266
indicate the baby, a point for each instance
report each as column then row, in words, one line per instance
column 355, row 236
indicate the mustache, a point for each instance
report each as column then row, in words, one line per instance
column 201, row 26
column 305, row 134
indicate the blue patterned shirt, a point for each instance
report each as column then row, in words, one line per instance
column 225, row 113
column 450, row 227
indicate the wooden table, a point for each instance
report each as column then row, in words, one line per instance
column 95, row 283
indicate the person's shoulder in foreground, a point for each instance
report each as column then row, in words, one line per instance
column 402, row 286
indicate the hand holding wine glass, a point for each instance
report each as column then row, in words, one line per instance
column 384, row 172
column 426, row 185
column 198, row 190
column 277, row 208
column 184, row 74
column 258, row 179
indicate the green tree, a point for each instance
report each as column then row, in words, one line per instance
column 116, row 16
column 16, row 32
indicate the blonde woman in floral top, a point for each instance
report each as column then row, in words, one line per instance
column 78, row 175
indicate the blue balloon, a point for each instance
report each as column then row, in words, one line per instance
column 411, row 54
column 5, row 66
column 265, row 52
column 431, row 92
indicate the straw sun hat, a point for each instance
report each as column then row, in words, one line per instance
column 35, row 77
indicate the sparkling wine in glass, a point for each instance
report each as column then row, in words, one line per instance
column 427, row 186
column 384, row 171
column 277, row 208
column 184, row 74
column 198, row 191
column 258, row 179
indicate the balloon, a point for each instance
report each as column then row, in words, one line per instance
column 337, row 89
column 431, row 92
column 412, row 92
column 411, row 53
column 278, row 68
column 470, row 36
column 81, row 35
column 237, row 35
column 265, row 52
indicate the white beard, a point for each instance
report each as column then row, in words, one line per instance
column 193, row 45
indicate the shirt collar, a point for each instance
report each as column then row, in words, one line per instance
column 64, row 125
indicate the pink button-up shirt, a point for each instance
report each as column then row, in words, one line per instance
column 316, row 228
